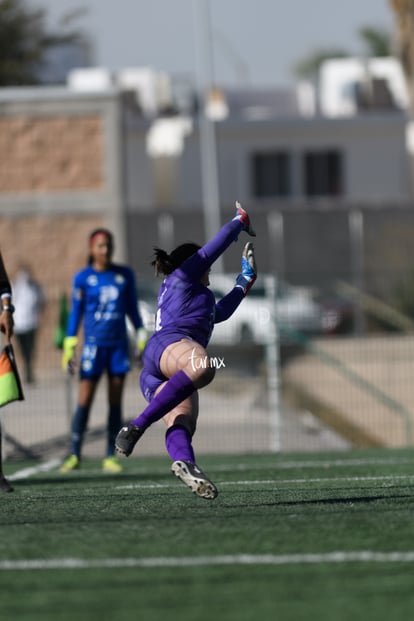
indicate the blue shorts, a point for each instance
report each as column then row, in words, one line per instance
column 96, row 359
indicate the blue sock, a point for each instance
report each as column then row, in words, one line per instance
column 178, row 443
column 114, row 425
column 79, row 422
column 178, row 388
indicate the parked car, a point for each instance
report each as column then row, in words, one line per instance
column 293, row 309
column 338, row 315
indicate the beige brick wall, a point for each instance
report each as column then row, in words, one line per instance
column 55, row 248
column 51, row 153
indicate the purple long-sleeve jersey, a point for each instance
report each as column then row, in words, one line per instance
column 186, row 308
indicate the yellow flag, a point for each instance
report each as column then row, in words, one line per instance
column 10, row 386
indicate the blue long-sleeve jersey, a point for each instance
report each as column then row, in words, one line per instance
column 103, row 300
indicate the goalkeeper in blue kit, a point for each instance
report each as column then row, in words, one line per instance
column 103, row 295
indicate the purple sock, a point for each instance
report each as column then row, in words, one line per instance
column 178, row 388
column 178, row 443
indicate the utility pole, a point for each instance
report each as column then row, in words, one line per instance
column 207, row 131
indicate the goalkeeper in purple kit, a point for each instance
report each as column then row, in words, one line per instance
column 175, row 361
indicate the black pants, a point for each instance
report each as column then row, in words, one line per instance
column 26, row 341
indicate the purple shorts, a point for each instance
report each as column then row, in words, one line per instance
column 151, row 377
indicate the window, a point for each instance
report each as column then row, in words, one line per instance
column 271, row 174
column 322, row 173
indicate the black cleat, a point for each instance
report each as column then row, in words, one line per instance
column 127, row 439
column 192, row 476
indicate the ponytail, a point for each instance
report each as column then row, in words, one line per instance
column 165, row 263
column 162, row 262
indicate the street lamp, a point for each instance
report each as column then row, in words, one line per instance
column 208, row 147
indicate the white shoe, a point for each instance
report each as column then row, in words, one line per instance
column 192, row 476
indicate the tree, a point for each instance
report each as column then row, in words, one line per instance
column 308, row 67
column 24, row 40
column 404, row 17
column 376, row 42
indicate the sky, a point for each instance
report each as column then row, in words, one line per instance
column 253, row 42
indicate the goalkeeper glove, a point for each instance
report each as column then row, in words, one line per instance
column 141, row 340
column 242, row 215
column 68, row 356
column 248, row 275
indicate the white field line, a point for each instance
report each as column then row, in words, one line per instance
column 390, row 478
column 363, row 556
column 25, row 473
column 325, row 463
column 55, row 462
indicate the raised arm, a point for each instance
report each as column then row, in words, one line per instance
column 196, row 265
column 244, row 281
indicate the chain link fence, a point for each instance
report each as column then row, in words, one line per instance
column 290, row 390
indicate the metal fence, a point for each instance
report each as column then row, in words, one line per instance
column 294, row 391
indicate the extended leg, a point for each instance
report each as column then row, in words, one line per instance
column 181, row 424
column 186, row 364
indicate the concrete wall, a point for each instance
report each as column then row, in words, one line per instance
column 376, row 168
column 71, row 162
column 60, row 177
column 61, row 156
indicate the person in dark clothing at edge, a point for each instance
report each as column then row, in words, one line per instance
column 6, row 327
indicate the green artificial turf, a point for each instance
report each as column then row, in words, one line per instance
column 150, row 549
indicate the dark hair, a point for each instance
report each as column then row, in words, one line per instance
column 100, row 231
column 165, row 263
